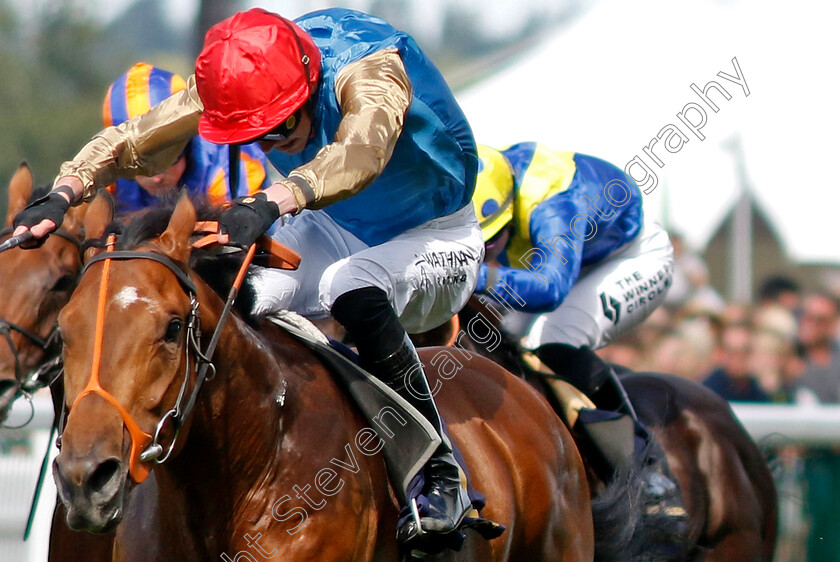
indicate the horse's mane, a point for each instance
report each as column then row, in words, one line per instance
column 217, row 269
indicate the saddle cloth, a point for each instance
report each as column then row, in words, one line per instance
column 413, row 442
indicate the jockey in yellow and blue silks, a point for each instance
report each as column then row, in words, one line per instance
column 571, row 256
column 203, row 168
column 567, row 211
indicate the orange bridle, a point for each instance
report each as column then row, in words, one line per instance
column 144, row 447
column 139, row 438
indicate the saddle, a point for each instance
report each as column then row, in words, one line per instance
column 571, row 400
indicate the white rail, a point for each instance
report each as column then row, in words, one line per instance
column 809, row 425
column 20, row 463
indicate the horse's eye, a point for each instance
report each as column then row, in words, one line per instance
column 173, row 330
column 63, row 284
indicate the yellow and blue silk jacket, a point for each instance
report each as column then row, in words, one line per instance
column 570, row 211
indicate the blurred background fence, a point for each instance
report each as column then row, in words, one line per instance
column 21, row 453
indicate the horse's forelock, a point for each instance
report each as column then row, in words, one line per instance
column 148, row 224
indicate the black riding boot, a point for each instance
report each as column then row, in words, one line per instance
column 613, row 433
column 387, row 353
column 448, row 500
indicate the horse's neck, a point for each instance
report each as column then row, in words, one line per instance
column 263, row 428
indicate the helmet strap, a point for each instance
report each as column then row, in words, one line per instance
column 304, row 58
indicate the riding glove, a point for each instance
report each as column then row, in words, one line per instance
column 248, row 218
column 52, row 206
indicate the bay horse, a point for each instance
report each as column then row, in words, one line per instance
column 727, row 486
column 269, row 426
column 34, row 285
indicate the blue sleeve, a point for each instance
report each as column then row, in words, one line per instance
column 549, row 269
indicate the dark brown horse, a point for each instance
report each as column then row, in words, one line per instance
column 725, row 480
column 274, row 459
column 726, row 483
column 34, row 285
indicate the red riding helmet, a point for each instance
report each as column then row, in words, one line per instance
column 255, row 70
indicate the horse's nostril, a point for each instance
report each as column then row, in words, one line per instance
column 102, row 475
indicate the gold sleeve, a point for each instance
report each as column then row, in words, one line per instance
column 145, row 145
column 374, row 94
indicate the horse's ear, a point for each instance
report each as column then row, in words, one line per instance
column 74, row 219
column 175, row 241
column 20, row 189
column 96, row 217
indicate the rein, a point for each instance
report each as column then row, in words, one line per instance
column 456, row 331
column 144, row 447
column 60, row 232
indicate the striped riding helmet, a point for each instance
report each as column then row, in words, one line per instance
column 137, row 91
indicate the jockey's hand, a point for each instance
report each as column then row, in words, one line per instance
column 42, row 217
column 246, row 219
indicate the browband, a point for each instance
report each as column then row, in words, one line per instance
column 183, row 278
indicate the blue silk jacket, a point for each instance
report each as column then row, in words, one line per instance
column 432, row 170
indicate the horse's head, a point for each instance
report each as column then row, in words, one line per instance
column 35, row 285
column 128, row 357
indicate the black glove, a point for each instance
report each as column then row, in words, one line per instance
column 52, row 206
column 248, row 218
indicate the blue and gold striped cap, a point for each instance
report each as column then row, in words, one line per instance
column 137, row 91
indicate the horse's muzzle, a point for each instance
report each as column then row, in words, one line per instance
column 92, row 491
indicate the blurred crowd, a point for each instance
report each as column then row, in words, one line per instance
column 783, row 348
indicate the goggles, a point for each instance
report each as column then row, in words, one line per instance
column 284, row 130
